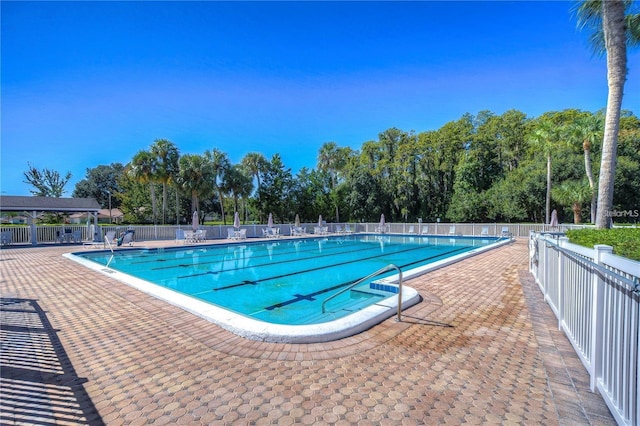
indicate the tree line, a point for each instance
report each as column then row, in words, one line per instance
column 482, row 168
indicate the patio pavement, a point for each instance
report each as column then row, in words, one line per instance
column 482, row 348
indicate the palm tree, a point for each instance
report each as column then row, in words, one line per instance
column 195, row 177
column 167, row 157
column 545, row 138
column 573, row 194
column 587, row 130
column 220, row 164
column 613, row 31
column 256, row 164
column 143, row 168
column 332, row 160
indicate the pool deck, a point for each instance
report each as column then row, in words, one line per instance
column 483, row 347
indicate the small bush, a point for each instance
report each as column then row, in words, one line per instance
column 625, row 241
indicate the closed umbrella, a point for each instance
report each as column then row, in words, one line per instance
column 270, row 221
column 554, row 219
column 382, row 222
column 236, row 220
column 297, row 222
column 320, row 221
column 195, row 224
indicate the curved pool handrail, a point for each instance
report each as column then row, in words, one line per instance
column 361, row 280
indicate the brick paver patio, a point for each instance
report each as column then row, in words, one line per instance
column 482, row 348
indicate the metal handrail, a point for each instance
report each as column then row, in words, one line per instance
column 361, row 280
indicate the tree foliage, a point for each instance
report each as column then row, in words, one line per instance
column 46, row 182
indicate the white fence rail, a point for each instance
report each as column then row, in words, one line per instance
column 596, row 297
column 49, row 234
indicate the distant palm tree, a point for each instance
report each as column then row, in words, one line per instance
column 143, row 168
column 545, row 138
column 195, row 178
column 256, row 164
column 573, row 194
column 613, row 31
column 587, row 130
column 220, row 164
column 167, row 156
column 332, row 160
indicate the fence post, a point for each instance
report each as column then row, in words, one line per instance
column 561, row 287
column 597, row 319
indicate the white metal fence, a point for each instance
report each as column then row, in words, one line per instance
column 596, row 297
column 49, row 234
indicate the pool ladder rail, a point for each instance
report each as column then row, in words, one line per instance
column 387, row 268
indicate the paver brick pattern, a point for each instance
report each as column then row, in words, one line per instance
column 481, row 348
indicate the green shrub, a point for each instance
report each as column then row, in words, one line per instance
column 625, row 241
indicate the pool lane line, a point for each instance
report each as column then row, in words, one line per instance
column 310, row 296
column 341, row 264
column 304, row 259
column 220, row 257
column 315, row 257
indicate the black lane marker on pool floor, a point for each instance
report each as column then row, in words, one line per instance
column 220, row 258
column 300, row 298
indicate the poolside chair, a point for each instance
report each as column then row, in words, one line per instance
column 485, row 231
column 452, row 230
column 180, row 236
column 506, row 232
column 231, row 234
column 411, row 229
column 76, row 236
column 347, row 229
column 242, row 234
column 425, row 230
column 200, row 235
column 339, row 229
column 126, row 238
column 5, row 238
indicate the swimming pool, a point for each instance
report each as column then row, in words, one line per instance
column 274, row 290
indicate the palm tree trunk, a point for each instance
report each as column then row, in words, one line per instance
column 547, row 210
column 589, row 172
column 615, row 42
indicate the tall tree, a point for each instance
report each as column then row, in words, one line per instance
column 143, row 168
column 47, row 183
column 545, row 138
column 220, row 164
column 587, row 130
column 256, row 164
column 99, row 182
column 167, row 157
column 195, row 178
column 332, row 160
column 613, row 31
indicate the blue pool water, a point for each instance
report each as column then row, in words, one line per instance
column 285, row 281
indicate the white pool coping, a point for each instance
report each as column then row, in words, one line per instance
column 268, row 332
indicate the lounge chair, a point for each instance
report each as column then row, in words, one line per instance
column 411, row 229
column 485, row 231
column 347, row 229
column 452, row 230
column 425, row 230
column 109, row 239
column 76, row 236
column 180, row 236
column 126, row 238
column 297, row 232
column 231, row 234
column 200, row 235
column 242, row 234
column 506, row 232
column 339, row 229
column 6, row 237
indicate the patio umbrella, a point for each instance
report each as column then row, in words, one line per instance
column 236, row 220
column 195, row 224
column 297, row 222
column 270, row 221
column 382, row 221
column 554, row 218
column 320, row 221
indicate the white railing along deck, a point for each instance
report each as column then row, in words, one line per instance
column 596, row 297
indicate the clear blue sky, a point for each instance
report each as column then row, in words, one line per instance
column 91, row 83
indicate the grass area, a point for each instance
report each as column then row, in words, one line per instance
column 625, row 241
